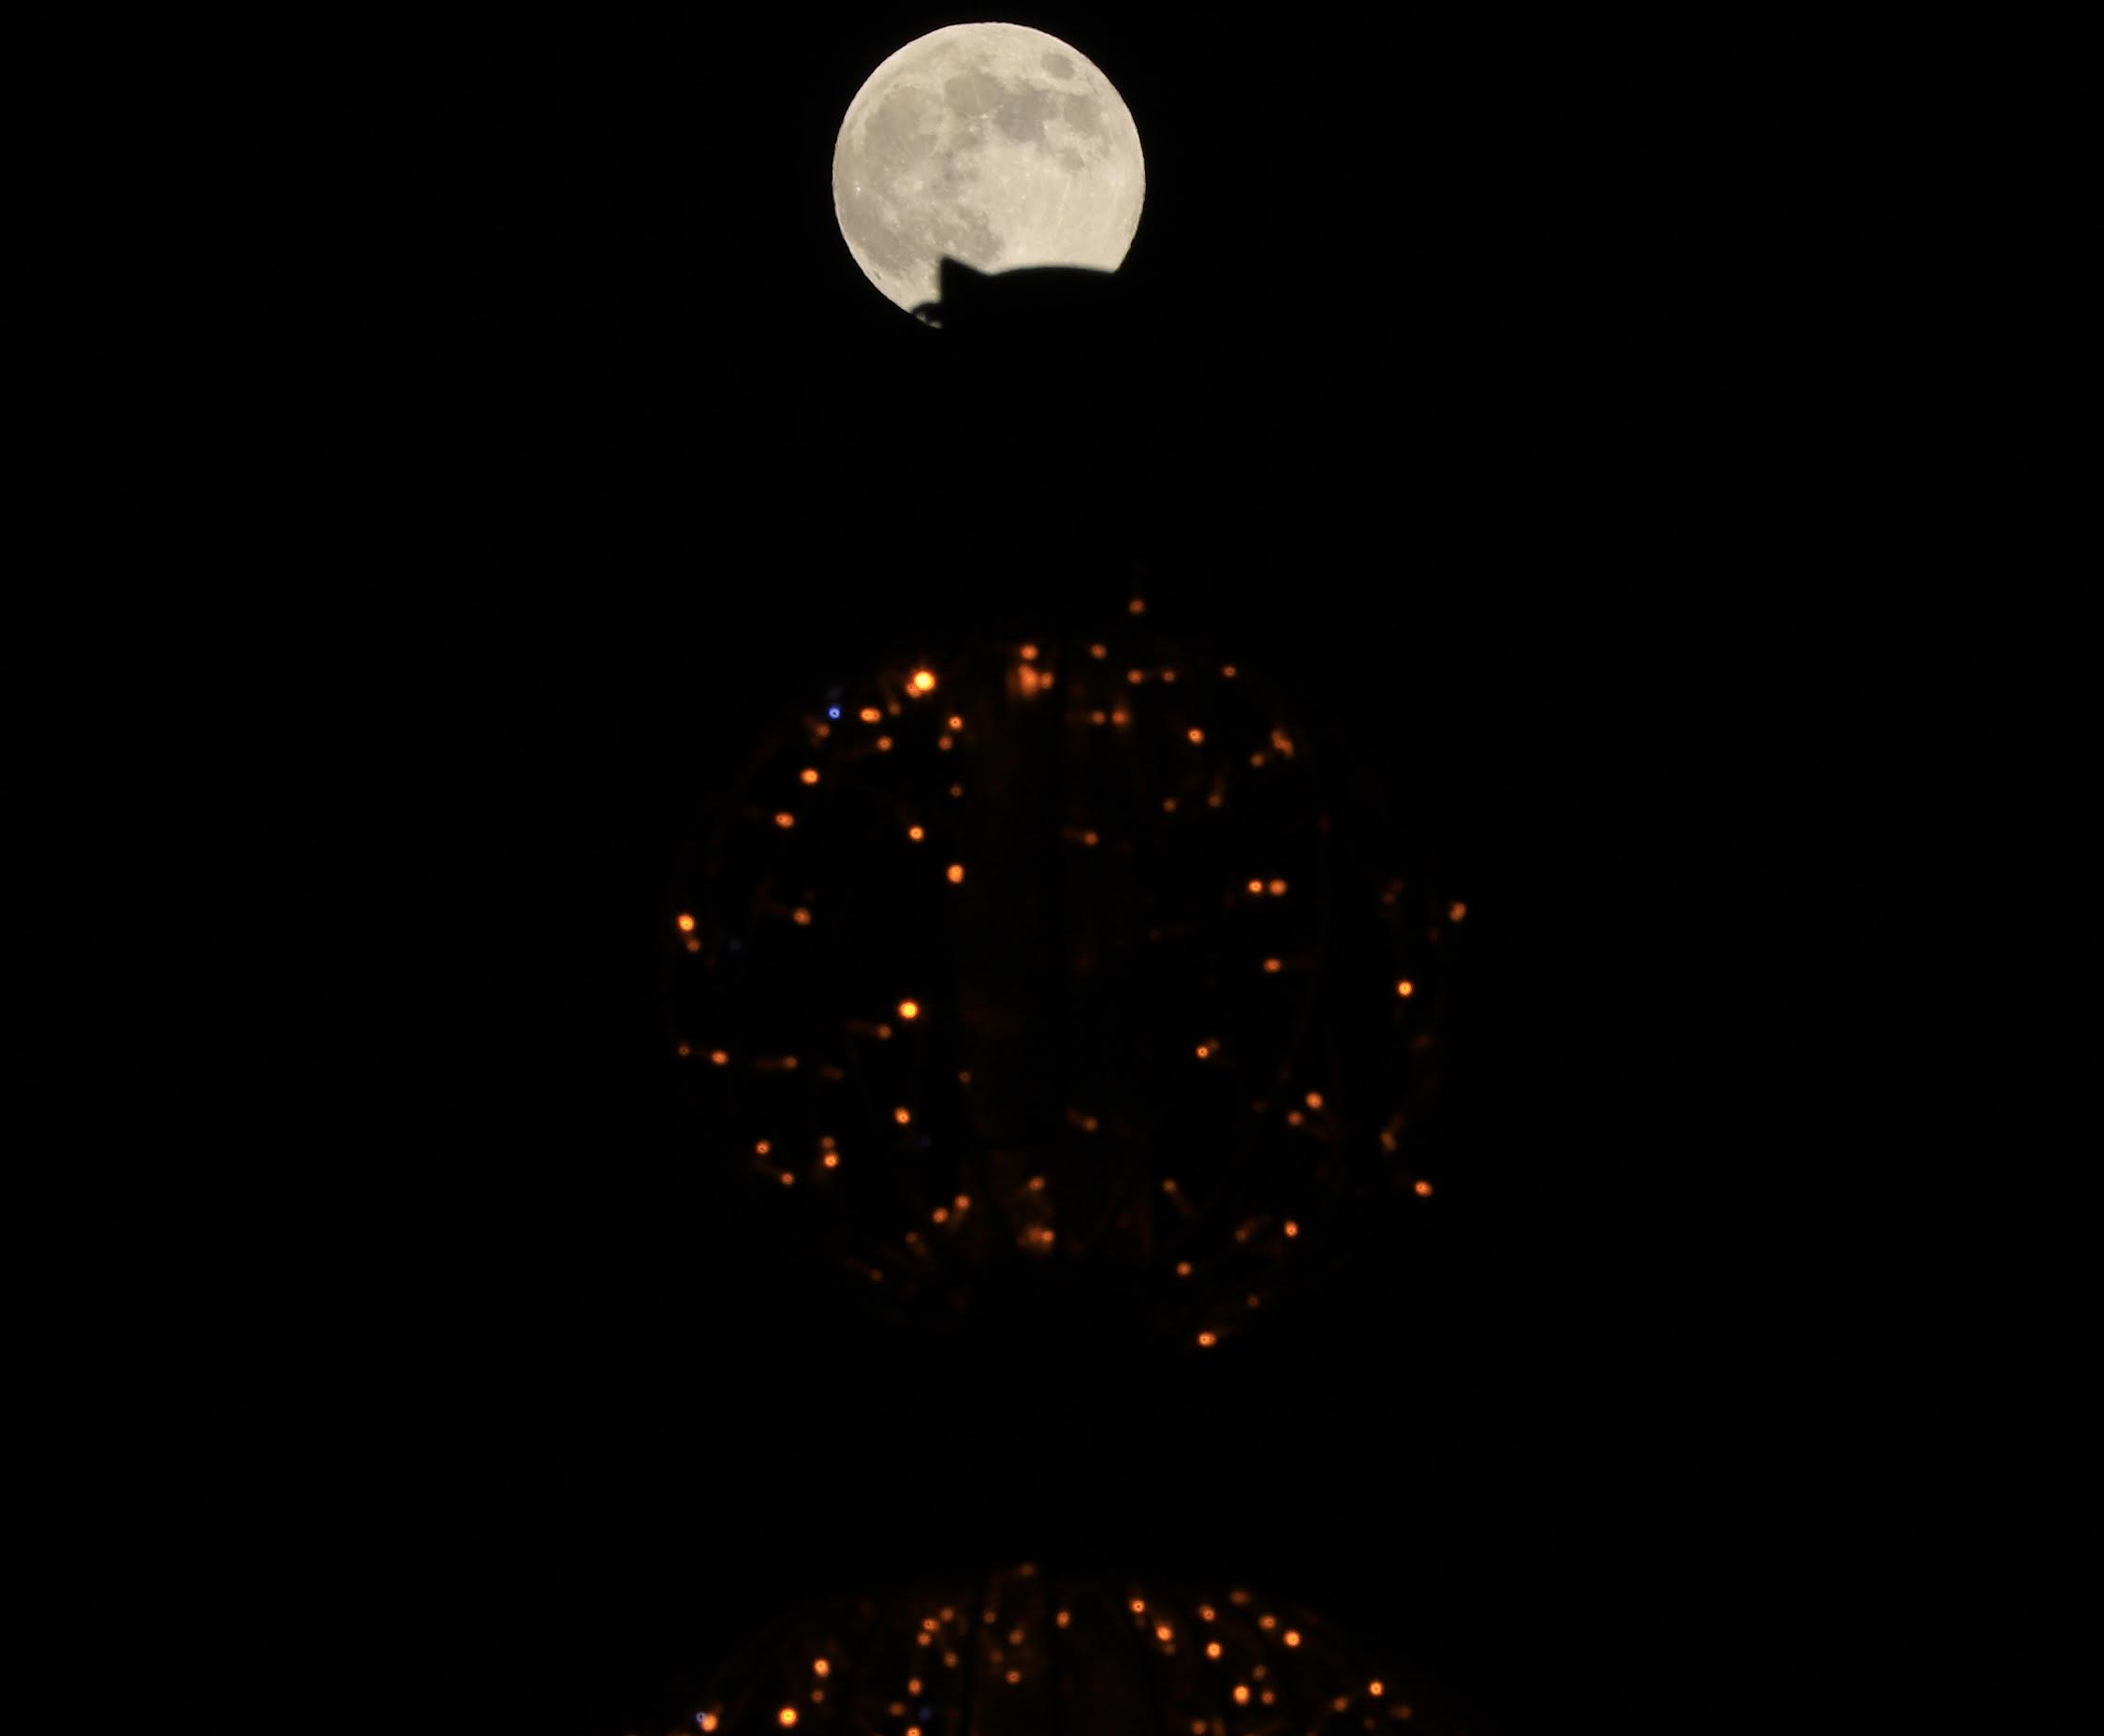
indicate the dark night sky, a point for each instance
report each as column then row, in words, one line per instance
column 485, row 420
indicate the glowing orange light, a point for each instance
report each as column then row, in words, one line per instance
column 923, row 681
column 1062, row 1618
column 1377, row 1688
column 1196, row 735
column 1256, row 760
column 956, row 723
column 820, row 1667
column 1030, row 654
column 1272, row 966
column 1294, row 1118
column 785, row 819
column 786, row 1716
column 940, row 1214
column 718, row 1057
column 1213, row 1648
column 1136, row 676
column 1207, row 1340
column 1227, row 672
column 1089, row 838
column 1315, row 1100
column 869, row 713
column 801, row 917
column 1098, row 652
column 1456, row 911
column 962, row 1203
column 1291, row 1228
column 883, row 744
column 1255, row 889
column 1182, row 1269
column 902, row 1115
column 915, row 834
column 1267, row 1621
column 763, row 1147
column 1137, row 607
column 1423, row 1190
column 686, row 925
column 955, row 874
column 1405, row 988
column 1204, row 1050
column 693, row 945
column 832, row 1160
column 1163, row 1632
column 708, row 1722
column 788, row 1179
column 809, row 774
column 1291, row 1637
column 1168, row 805
column 1241, row 1693
column 910, row 1009
column 1140, row 1606
column 1278, row 888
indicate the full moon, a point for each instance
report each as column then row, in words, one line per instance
column 994, row 144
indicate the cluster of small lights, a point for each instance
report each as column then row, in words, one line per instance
column 1116, row 855
column 1022, row 1651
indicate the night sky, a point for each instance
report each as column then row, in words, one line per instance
column 486, row 427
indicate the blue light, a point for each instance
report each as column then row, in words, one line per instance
column 832, row 711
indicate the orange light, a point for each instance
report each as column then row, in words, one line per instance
column 1030, row 654
column 955, row 874
column 819, row 1667
column 1272, row 966
column 883, row 744
column 923, row 681
column 1163, row 1632
column 832, row 1160
column 1098, row 652
column 786, row 1716
column 1241, row 1693
column 1168, row 805
column 1291, row 1228
column 1255, row 889
column 871, row 715
column 1182, row 1269
column 1423, row 1190
column 915, row 834
column 1137, row 607
column 1089, row 838
column 1377, row 1688
column 902, row 1115
column 809, row 774
column 910, row 1009
column 940, row 1214
column 718, row 1057
column 1291, row 1637
column 1315, row 1100
column 1196, row 736
column 693, row 945
column 962, row 1203
column 708, row 1722
column 1062, row 1619
column 763, row 1148
column 1456, row 911
column 1227, row 672
column 956, row 723
column 1205, row 1050
column 686, row 925
column 1405, row 988
column 1136, row 676
column 1213, row 1648
column 785, row 819
column 1278, row 888
column 801, row 917
column 788, row 1179
column 1140, row 1606
column 1207, row 1340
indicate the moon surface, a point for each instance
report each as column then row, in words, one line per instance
column 995, row 144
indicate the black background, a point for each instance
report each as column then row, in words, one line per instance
column 482, row 424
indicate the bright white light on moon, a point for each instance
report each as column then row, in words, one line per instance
column 995, row 144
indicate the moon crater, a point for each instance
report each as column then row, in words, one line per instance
column 995, row 144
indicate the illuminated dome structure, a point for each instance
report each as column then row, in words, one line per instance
column 1058, row 960
column 1023, row 1654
